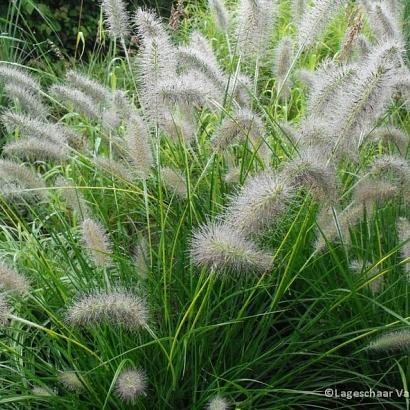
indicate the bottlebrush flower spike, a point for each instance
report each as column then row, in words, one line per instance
column 70, row 380
column 4, row 310
column 282, row 65
column 137, row 139
column 390, row 134
column 87, row 85
column 31, row 103
column 255, row 24
column 118, row 308
column 261, row 201
column 96, row 242
column 175, row 181
column 116, row 18
column 298, row 9
column 72, row 197
column 392, row 341
column 12, row 281
column 218, row 403
column 375, row 285
column 241, row 125
column 384, row 23
column 114, row 168
column 202, row 45
column 130, row 384
column 315, row 20
column 370, row 191
column 220, row 248
column 393, row 165
column 16, row 76
column 403, row 230
column 219, row 14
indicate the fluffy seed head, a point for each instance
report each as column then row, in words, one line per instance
column 398, row 167
column 220, row 248
column 392, row 341
column 13, row 75
column 42, row 391
column 390, row 134
column 219, row 14
column 4, row 310
column 175, row 181
column 403, row 230
column 283, row 62
column 118, row 308
column 70, row 380
column 370, row 191
column 261, row 201
column 12, row 281
column 116, row 18
column 130, row 384
column 218, row 403
column 96, row 242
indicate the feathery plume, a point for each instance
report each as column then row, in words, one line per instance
column 261, row 201
column 370, row 191
column 36, row 149
column 256, row 20
column 393, row 164
column 96, row 242
column 137, row 139
column 289, row 132
column 17, row 180
column 42, row 391
column 283, row 62
column 390, row 134
column 110, row 119
column 124, row 106
column 375, row 285
column 29, row 102
column 384, row 23
column 12, row 281
column 307, row 77
column 363, row 46
column 4, row 310
column 70, row 380
column 218, row 403
column 298, row 9
column 315, row 20
column 392, row 341
column 88, row 86
column 403, row 230
column 241, row 125
column 219, row 14
column 13, row 75
column 116, row 18
column 118, row 307
column 201, row 43
column 81, row 102
column 219, row 247
column 175, row 181
column 311, row 171
column 233, row 176
column 72, row 197
column 241, row 89
column 130, row 384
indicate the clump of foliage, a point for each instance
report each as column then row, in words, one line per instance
column 225, row 224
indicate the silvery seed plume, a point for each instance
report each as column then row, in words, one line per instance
column 118, row 308
column 32, row 127
column 110, row 119
column 175, row 181
column 403, row 230
column 313, row 133
column 29, row 102
column 282, row 64
column 42, row 391
column 369, row 192
column 74, row 139
column 18, row 77
column 394, row 7
column 233, row 176
column 307, row 77
column 201, row 43
column 363, row 46
column 298, row 9
column 12, row 281
column 114, row 168
column 316, row 19
column 130, row 384
column 36, row 149
column 4, row 310
column 219, row 247
column 260, row 202
column 72, row 197
column 123, row 104
column 241, row 89
column 241, row 125
column 397, row 166
column 391, row 342
column 96, row 242
column 17, row 180
column 328, row 79
column 180, row 125
column 88, row 86
column 289, row 132
column 70, row 380
column 366, row 96
column 116, row 18
column 219, row 13
column 139, row 151
column 310, row 170
column 384, row 23
column 392, row 135
column 359, row 266
column 81, row 103
column 218, row 403
column 255, row 22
